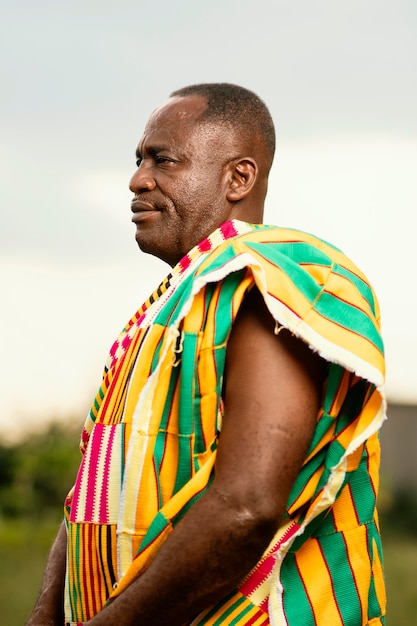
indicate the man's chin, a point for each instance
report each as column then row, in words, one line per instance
column 148, row 245
column 144, row 242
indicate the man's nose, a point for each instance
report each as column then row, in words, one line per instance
column 142, row 180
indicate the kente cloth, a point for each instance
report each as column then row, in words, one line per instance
column 149, row 443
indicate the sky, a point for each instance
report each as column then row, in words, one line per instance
column 79, row 80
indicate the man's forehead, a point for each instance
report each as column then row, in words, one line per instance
column 176, row 110
column 178, row 121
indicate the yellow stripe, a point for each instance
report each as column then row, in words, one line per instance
column 169, row 466
column 378, row 574
column 346, row 339
column 193, row 321
column 218, row 615
column 344, row 510
column 140, row 374
column 341, row 287
column 307, row 492
column 170, row 510
column 357, row 549
column 260, row 594
column 318, row 584
column 366, row 417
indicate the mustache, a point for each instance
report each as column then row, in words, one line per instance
column 147, row 201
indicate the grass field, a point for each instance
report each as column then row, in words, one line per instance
column 23, row 551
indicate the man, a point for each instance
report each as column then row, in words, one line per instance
column 230, row 459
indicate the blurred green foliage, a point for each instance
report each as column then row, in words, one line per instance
column 37, row 473
column 399, row 517
column 397, row 507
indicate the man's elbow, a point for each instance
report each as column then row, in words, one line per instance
column 252, row 512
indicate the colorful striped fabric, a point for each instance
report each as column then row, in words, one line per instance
column 149, row 443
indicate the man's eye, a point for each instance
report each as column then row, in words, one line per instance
column 163, row 159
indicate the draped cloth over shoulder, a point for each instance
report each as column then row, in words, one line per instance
column 149, row 443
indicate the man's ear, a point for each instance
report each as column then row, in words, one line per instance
column 243, row 175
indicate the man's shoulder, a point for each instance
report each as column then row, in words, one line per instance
column 280, row 241
column 304, row 258
column 273, row 234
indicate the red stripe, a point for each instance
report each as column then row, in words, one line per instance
column 348, row 302
column 228, row 230
column 103, row 514
column 205, row 245
column 76, row 497
column 254, row 619
column 260, row 574
column 368, row 469
column 117, row 373
column 185, row 262
column 95, row 448
column 265, row 567
column 264, row 605
column 85, row 573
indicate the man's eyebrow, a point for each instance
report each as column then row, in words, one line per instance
column 152, row 150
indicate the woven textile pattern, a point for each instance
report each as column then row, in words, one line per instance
column 149, row 443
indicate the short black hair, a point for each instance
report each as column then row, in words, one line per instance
column 236, row 106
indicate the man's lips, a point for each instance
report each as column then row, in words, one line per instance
column 141, row 210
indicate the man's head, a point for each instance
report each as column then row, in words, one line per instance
column 237, row 108
column 204, row 158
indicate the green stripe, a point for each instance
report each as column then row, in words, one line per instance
column 159, row 523
column 374, row 609
column 173, row 305
column 303, row 252
column 353, row 405
column 188, row 358
column 325, row 423
column 348, row 317
column 360, row 284
column 305, row 475
column 156, row 349
column 169, row 397
column 304, row 283
column 334, row 378
column 297, row 608
column 75, row 592
column 344, row 588
column 223, row 317
column 330, row 307
column 223, row 619
column 335, row 452
column 240, row 617
column 190, row 503
column 161, row 437
column 212, row 613
column 362, row 493
column 185, row 462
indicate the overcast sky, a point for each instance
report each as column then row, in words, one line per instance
column 78, row 82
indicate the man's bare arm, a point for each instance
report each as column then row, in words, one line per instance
column 272, row 393
column 49, row 609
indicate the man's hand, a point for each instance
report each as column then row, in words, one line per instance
column 49, row 608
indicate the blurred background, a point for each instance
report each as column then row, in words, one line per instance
column 78, row 82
